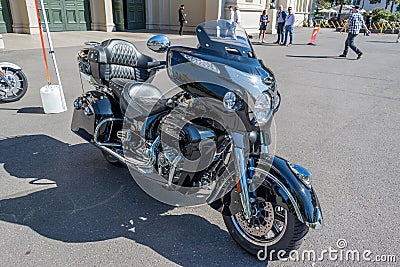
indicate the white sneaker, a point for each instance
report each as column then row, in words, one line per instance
column 397, row 40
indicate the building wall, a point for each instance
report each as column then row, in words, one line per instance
column 163, row 14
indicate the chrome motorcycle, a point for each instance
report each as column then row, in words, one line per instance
column 205, row 140
column 13, row 82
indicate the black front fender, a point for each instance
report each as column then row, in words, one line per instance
column 301, row 200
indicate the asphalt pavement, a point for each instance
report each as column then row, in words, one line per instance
column 62, row 204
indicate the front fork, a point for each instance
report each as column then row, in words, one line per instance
column 243, row 182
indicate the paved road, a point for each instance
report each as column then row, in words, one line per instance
column 62, row 204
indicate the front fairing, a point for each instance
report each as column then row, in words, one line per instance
column 210, row 76
column 224, row 61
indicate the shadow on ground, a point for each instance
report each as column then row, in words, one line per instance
column 382, row 42
column 320, row 57
column 27, row 110
column 93, row 201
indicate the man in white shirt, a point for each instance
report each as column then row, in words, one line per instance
column 237, row 16
column 231, row 15
column 289, row 26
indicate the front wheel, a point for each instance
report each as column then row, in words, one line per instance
column 15, row 88
column 272, row 228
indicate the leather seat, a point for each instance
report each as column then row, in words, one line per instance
column 117, row 85
column 116, row 58
column 140, row 100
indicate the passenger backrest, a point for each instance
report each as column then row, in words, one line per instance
column 117, row 58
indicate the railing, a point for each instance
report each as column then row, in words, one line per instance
column 383, row 27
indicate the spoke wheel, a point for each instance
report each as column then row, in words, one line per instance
column 15, row 88
column 266, row 226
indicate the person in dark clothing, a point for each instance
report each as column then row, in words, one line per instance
column 182, row 18
column 281, row 24
column 368, row 23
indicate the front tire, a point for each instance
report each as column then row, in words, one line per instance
column 271, row 227
column 290, row 240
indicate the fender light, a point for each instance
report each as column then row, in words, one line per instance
column 302, row 173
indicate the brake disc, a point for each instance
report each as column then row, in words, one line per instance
column 261, row 221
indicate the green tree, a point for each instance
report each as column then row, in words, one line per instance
column 387, row 2
column 325, row 3
column 379, row 14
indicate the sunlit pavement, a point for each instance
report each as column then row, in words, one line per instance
column 62, row 204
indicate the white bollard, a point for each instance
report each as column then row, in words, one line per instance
column 52, row 100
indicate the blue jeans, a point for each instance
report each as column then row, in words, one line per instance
column 281, row 25
column 288, row 30
column 350, row 42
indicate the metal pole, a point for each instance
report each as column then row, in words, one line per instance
column 52, row 53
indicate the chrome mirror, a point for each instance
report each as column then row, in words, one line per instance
column 92, row 43
column 159, row 43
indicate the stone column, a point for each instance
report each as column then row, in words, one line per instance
column 271, row 27
column 213, row 10
column 24, row 16
column 102, row 15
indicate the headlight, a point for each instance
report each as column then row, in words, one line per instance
column 263, row 108
column 232, row 101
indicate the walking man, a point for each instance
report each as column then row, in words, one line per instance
column 231, row 21
column 289, row 26
column 281, row 24
column 182, row 18
column 354, row 24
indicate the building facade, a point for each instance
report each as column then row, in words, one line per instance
column 19, row 16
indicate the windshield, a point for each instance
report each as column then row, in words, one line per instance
column 214, row 33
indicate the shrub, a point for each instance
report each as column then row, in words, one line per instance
column 380, row 14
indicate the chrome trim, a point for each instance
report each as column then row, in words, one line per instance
column 173, row 169
column 244, row 186
column 159, row 43
column 320, row 221
column 153, row 150
column 271, row 109
column 114, row 154
column 302, row 174
column 9, row 65
column 92, row 43
column 96, row 132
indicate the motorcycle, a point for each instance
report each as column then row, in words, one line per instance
column 207, row 140
column 13, row 82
